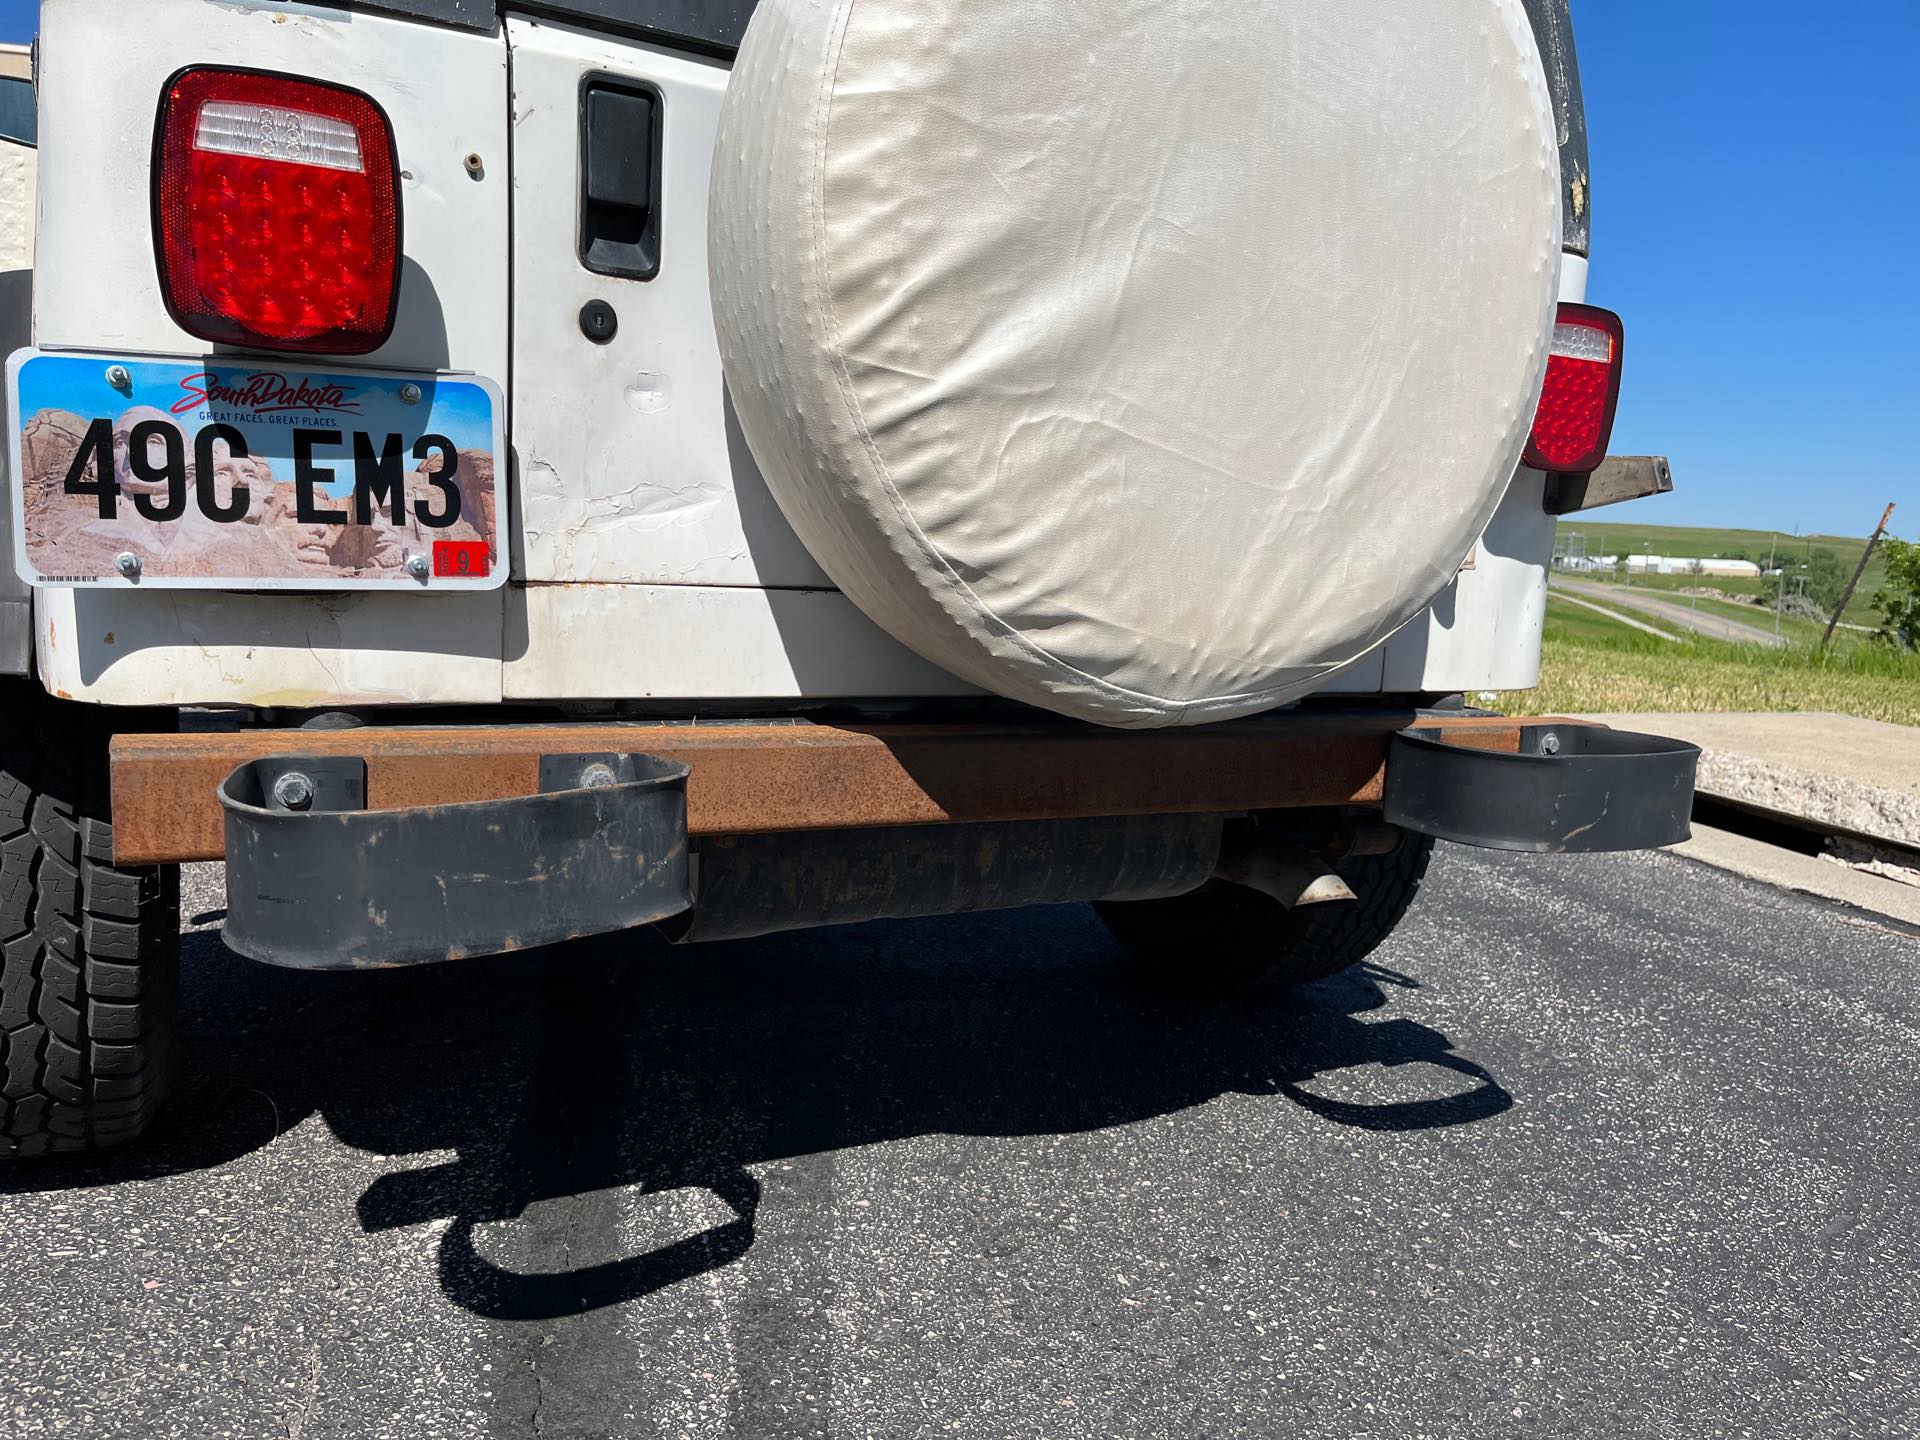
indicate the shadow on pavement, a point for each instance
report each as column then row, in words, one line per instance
column 594, row 1067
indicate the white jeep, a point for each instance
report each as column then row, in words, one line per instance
column 501, row 472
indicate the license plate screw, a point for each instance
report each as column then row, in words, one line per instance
column 417, row 566
column 293, row 790
column 120, row 378
column 128, row 564
column 409, row 394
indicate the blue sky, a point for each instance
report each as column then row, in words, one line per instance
column 1756, row 190
column 1756, row 174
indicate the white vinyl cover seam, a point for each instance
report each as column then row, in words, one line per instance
column 1142, row 361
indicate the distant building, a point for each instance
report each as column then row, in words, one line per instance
column 1692, row 565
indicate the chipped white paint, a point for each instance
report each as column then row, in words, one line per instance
column 649, row 394
column 631, row 471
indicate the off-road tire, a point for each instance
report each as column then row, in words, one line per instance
column 1224, row 937
column 89, row 951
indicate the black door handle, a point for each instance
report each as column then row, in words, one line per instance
column 620, row 127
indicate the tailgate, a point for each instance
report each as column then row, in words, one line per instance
column 632, row 470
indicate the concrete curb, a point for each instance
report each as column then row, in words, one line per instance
column 1835, row 771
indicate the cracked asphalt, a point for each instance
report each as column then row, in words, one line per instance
column 1615, row 1146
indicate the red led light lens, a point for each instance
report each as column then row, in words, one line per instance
column 1574, row 423
column 276, row 212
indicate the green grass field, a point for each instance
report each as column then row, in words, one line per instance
column 1590, row 663
column 1610, row 538
column 1791, row 627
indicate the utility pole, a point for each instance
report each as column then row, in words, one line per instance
column 1858, row 571
column 1779, row 582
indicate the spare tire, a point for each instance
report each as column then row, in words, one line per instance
column 1145, row 362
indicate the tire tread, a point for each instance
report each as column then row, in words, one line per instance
column 89, row 951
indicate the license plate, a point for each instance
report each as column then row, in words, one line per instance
column 220, row 475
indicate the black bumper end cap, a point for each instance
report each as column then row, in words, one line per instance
column 1570, row 789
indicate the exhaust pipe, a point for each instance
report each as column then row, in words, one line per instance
column 1289, row 873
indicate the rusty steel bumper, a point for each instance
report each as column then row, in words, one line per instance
column 760, row 778
column 394, row 846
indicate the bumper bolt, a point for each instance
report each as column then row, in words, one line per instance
column 598, row 777
column 1550, row 744
column 293, row 790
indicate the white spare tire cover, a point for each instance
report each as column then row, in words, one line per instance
column 1143, row 361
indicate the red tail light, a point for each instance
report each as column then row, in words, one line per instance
column 276, row 212
column 1575, row 419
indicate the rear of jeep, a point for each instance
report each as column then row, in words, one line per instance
column 498, row 474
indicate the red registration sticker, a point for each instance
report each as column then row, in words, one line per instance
column 462, row 559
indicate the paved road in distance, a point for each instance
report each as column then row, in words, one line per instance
column 1617, row 1146
column 1674, row 613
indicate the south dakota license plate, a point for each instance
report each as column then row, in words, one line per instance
column 217, row 475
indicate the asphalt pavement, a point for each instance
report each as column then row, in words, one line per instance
column 1620, row 1146
column 1673, row 612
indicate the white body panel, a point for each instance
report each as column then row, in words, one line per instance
column 1483, row 633
column 628, row 472
column 101, row 71
column 660, row 567
column 696, row 642
column 176, row 647
column 95, row 288
column 578, row 641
